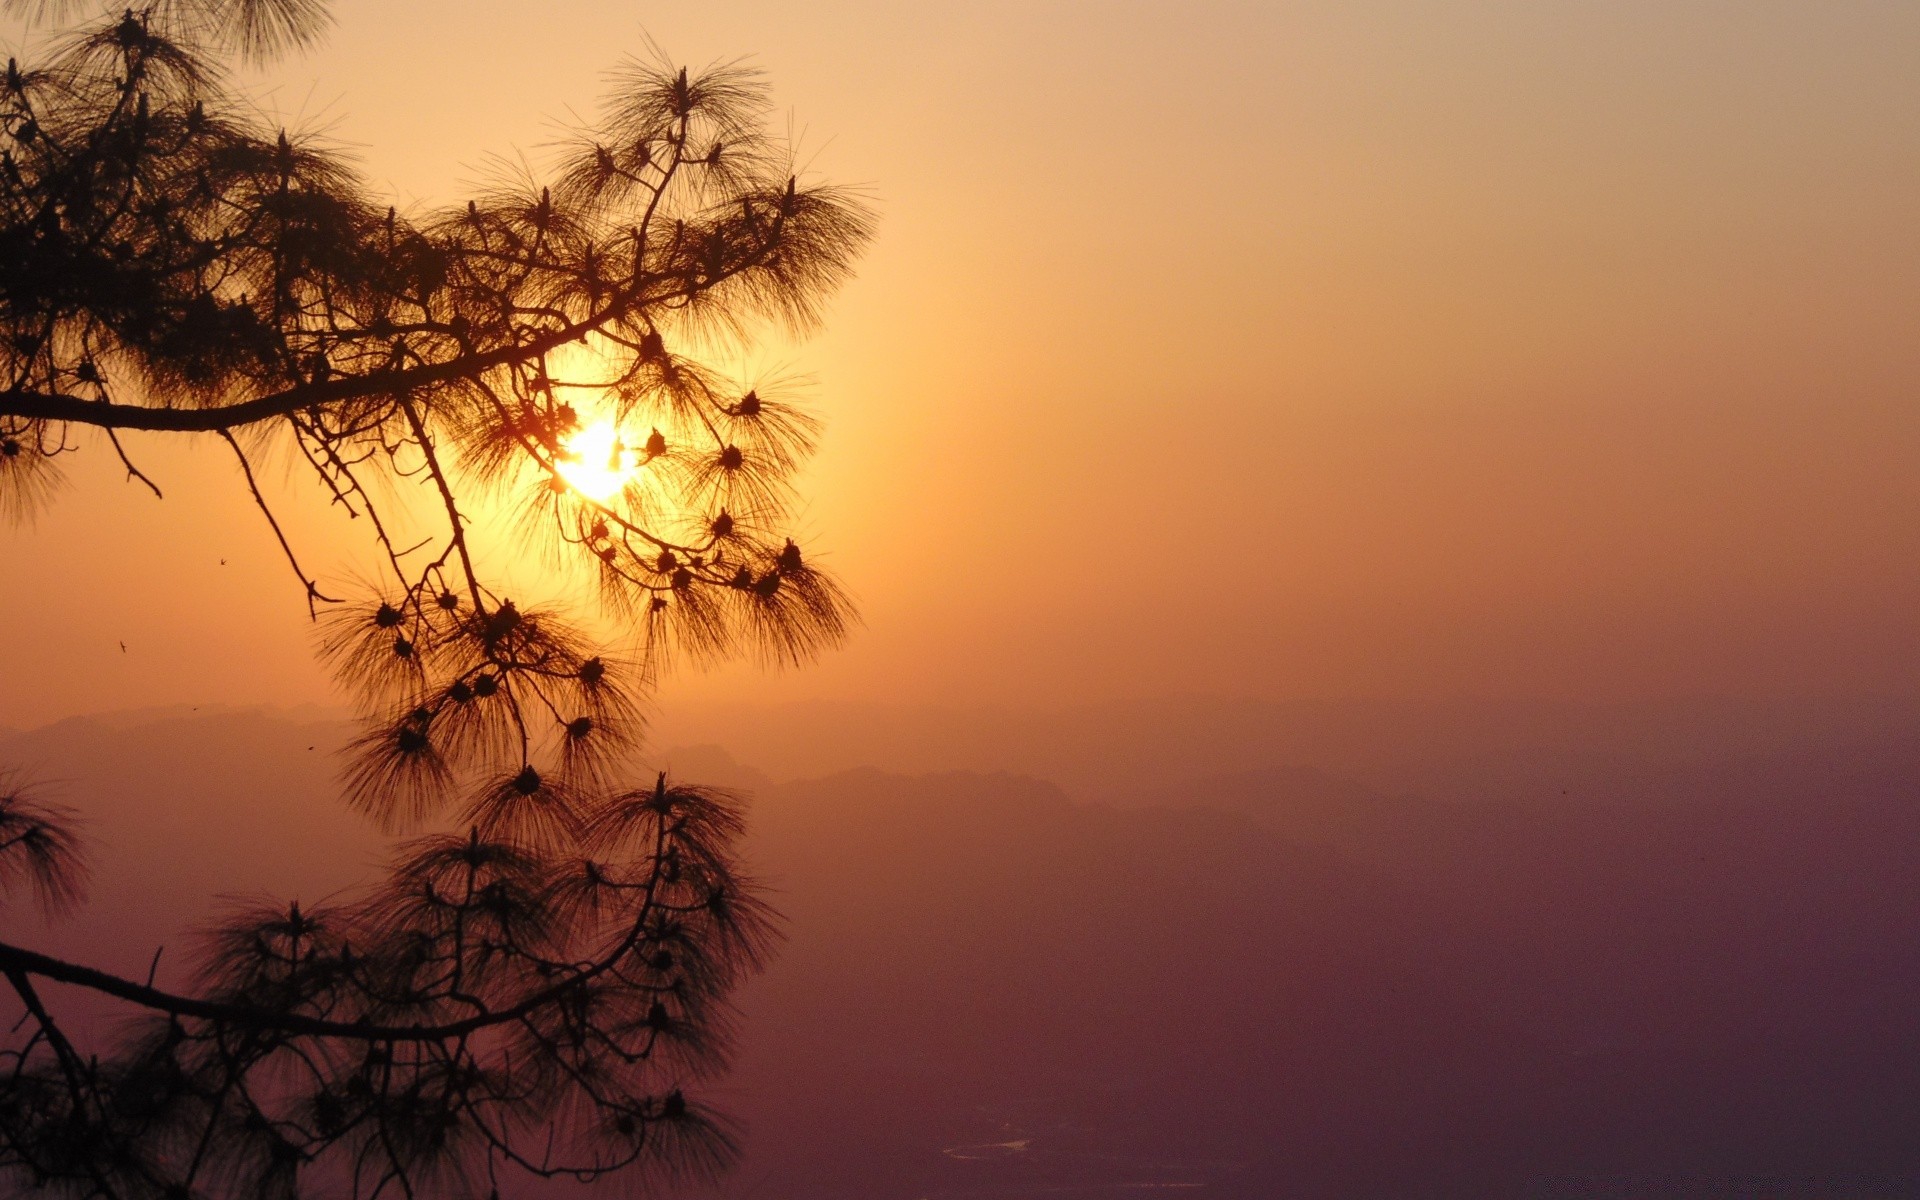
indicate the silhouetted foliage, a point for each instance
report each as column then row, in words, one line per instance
column 534, row 990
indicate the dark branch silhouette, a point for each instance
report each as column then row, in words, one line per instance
column 536, row 984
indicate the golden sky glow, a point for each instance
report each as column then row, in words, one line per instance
column 1278, row 349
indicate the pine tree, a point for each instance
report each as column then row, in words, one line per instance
column 542, row 979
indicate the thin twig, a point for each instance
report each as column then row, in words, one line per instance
column 313, row 590
column 133, row 472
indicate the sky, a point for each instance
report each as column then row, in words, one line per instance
column 1273, row 350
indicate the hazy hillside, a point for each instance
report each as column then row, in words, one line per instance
column 1272, row 982
column 1458, row 749
column 183, row 808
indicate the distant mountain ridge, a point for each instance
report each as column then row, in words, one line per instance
column 1443, row 749
column 1269, row 981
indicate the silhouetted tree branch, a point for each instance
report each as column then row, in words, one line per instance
column 533, row 993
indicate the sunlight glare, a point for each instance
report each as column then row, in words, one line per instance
column 598, row 462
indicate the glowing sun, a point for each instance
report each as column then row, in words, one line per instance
column 597, row 463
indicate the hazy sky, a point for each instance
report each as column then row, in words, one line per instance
column 1278, row 350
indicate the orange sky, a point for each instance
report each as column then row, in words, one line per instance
column 1276, row 349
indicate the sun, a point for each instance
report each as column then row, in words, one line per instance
column 596, row 462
